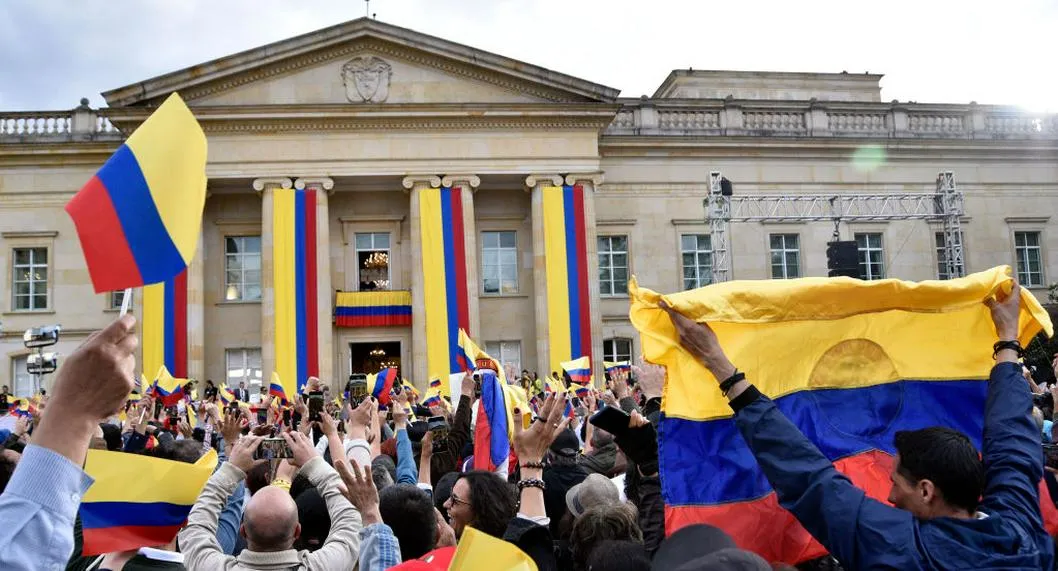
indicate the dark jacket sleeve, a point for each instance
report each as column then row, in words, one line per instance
column 859, row 531
column 1011, row 450
column 651, row 513
column 534, row 540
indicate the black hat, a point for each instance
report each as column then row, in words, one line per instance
column 566, row 444
column 704, row 548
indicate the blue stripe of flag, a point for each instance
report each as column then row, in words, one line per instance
column 572, row 276
column 299, row 289
column 372, row 310
column 101, row 515
column 451, row 297
column 169, row 318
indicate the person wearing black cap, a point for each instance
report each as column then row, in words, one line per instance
column 704, row 548
column 562, row 473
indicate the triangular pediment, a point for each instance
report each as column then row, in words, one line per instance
column 362, row 62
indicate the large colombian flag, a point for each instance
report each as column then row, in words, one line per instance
column 372, row 308
column 444, row 268
column 566, row 268
column 165, row 326
column 848, row 362
column 294, row 272
column 138, row 501
column 139, row 217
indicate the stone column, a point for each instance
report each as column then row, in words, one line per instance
column 196, row 317
column 324, row 292
column 468, row 185
column 265, row 187
column 416, row 184
column 536, row 184
column 591, row 181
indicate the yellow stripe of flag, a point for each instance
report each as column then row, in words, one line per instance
column 434, row 280
column 284, row 288
column 557, row 276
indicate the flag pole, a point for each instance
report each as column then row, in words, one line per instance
column 126, row 300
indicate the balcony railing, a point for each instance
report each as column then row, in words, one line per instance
column 80, row 124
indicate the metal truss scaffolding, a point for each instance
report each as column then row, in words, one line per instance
column 944, row 205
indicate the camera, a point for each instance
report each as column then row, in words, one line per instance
column 438, row 425
column 315, row 405
column 42, row 363
column 273, row 449
column 41, row 336
column 356, row 388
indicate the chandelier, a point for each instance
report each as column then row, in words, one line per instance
column 377, row 261
column 377, row 352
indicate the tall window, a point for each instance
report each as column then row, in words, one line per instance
column 872, row 256
column 242, row 268
column 697, row 250
column 617, row 349
column 499, row 262
column 613, row 265
column 785, row 256
column 506, row 352
column 942, row 255
column 30, row 279
column 1029, row 258
column 244, row 365
column 21, row 380
column 372, row 259
column 115, row 299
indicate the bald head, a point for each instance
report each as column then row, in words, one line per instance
column 271, row 520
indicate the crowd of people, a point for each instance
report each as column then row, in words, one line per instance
column 373, row 487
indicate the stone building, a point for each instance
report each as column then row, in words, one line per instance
column 371, row 114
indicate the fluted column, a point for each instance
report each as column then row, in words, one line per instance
column 589, row 182
column 468, row 185
column 196, row 316
column 324, row 187
column 416, row 184
column 536, row 183
column 265, row 188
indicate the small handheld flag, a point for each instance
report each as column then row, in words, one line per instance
column 140, row 216
column 618, row 367
column 382, row 384
column 169, row 389
column 579, row 370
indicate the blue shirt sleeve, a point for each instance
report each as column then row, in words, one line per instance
column 407, row 471
column 230, row 519
column 379, row 549
column 38, row 510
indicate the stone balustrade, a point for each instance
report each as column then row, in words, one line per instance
column 822, row 119
column 81, row 123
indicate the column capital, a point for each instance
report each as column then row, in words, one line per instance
column 260, row 184
column 431, row 180
column 471, row 180
column 316, row 182
column 533, row 180
column 595, row 178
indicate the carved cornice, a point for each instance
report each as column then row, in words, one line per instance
column 594, row 178
column 450, row 180
column 409, row 182
column 317, row 182
column 261, row 184
column 533, row 180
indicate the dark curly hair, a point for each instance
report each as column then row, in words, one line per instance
column 492, row 500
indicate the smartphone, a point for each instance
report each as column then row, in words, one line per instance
column 273, row 449
column 611, row 419
column 315, row 405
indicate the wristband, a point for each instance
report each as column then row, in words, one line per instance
column 729, row 382
column 280, row 483
column 1014, row 345
column 531, row 483
column 537, row 465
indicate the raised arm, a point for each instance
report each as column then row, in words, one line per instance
column 1011, row 447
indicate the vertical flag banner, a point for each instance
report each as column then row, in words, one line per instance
column 164, row 326
column 848, row 362
column 444, row 274
column 294, row 284
column 139, row 217
column 566, row 267
column 579, row 370
column 138, row 501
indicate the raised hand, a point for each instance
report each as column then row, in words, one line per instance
column 360, row 490
column 531, row 444
column 699, row 340
column 243, row 451
column 1005, row 313
column 301, row 446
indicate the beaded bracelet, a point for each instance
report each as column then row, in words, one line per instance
column 538, row 465
column 531, row 483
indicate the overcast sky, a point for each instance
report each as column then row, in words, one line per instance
column 53, row 52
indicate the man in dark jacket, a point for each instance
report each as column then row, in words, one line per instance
column 940, row 525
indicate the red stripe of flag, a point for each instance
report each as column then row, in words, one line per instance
column 459, row 245
column 179, row 325
column 311, row 302
column 106, row 250
column 582, row 270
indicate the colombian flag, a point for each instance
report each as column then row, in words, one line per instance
column 138, row 501
column 139, row 217
column 225, row 395
column 579, row 370
column 467, row 353
column 294, row 263
column 372, row 308
column 566, row 268
column 435, row 383
column 618, row 367
column 164, row 336
column 407, row 386
column 276, row 388
column 492, row 442
column 433, row 400
column 849, row 362
column 169, row 389
column 381, row 384
column 444, row 274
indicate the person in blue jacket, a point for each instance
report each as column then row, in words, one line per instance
column 937, row 521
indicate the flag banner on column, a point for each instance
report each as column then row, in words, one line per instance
column 566, row 267
column 849, row 362
column 372, row 308
column 444, row 275
column 294, row 286
column 164, row 326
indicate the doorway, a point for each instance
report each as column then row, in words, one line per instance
column 369, row 358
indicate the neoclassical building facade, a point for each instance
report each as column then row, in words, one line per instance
column 370, row 116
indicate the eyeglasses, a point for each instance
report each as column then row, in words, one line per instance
column 454, row 499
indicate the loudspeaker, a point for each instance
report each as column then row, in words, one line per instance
column 725, row 187
column 843, row 259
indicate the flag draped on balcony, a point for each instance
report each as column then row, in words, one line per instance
column 372, row 308
column 165, row 326
column 294, row 267
column 566, row 266
column 444, row 275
